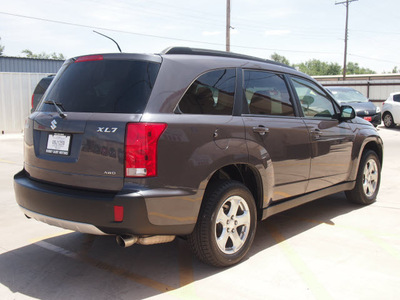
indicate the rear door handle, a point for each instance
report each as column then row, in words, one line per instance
column 261, row 130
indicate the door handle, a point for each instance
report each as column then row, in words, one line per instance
column 261, row 130
column 316, row 133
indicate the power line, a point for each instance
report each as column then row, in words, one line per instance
column 377, row 59
column 158, row 36
column 207, row 19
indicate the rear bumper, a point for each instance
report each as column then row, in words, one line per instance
column 93, row 212
column 76, row 226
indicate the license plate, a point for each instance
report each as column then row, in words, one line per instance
column 58, row 143
column 368, row 119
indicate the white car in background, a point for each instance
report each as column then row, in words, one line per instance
column 391, row 110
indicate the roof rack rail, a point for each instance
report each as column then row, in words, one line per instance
column 208, row 52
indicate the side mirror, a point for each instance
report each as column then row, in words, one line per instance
column 347, row 113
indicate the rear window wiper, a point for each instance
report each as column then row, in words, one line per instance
column 57, row 105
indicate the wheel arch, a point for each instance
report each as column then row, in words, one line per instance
column 377, row 148
column 245, row 174
column 375, row 145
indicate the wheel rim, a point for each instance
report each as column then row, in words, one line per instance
column 370, row 177
column 232, row 225
column 387, row 120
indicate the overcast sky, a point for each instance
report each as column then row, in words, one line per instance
column 298, row 29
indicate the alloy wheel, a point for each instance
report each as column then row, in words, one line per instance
column 232, row 225
column 370, row 177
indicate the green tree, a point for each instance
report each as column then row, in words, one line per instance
column 43, row 55
column 314, row 67
column 1, row 48
column 354, row 68
column 395, row 70
column 279, row 58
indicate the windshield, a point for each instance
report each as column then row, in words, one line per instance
column 348, row 95
column 106, row 86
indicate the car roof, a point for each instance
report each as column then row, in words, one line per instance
column 213, row 59
column 207, row 52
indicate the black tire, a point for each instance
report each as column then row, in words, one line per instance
column 219, row 221
column 367, row 181
column 388, row 120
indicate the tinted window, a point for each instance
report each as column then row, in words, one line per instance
column 314, row 101
column 110, row 86
column 43, row 85
column 267, row 94
column 396, row 98
column 212, row 94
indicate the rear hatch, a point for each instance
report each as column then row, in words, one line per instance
column 77, row 135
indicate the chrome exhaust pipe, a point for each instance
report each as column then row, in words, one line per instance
column 126, row 240
column 155, row 239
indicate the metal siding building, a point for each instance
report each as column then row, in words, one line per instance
column 16, row 91
column 376, row 87
column 29, row 65
column 18, row 79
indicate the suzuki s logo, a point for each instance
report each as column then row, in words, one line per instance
column 107, row 129
column 53, row 124
column 366, row 112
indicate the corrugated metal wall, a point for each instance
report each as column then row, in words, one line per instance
column 29, row 65
column 377, row 91
column 15, row 99
column 377, row 87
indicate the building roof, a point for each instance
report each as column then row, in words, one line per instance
column 29, row 65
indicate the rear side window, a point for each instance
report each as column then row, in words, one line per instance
column 396, row 98
column 106, row 86
column 212, row 94
column 267, row 94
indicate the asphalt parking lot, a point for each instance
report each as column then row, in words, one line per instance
column 327, row 249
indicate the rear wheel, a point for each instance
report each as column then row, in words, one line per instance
column 368, row 180
column 226, row 225
column 388, row 120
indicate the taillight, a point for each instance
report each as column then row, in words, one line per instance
column 141, row 149
column 89, row 58
column 33, row 96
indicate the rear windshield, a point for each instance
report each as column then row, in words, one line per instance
column 105, row 86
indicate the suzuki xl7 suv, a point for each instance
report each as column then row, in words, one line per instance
column 193, row 143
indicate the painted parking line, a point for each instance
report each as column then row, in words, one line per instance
column 299, row 265
column 372, row 235
column 185, row 265
column 107, row 267
column 64, row 232
column 185, row 259
column 10, row 162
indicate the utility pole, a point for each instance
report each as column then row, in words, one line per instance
column 346, row 3
column 228, row 25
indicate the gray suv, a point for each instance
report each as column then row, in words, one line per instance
column 192, row 143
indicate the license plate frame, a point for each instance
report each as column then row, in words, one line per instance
column 58, row 144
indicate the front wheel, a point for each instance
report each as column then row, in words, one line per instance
column 226, row 225
column 368, row 180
